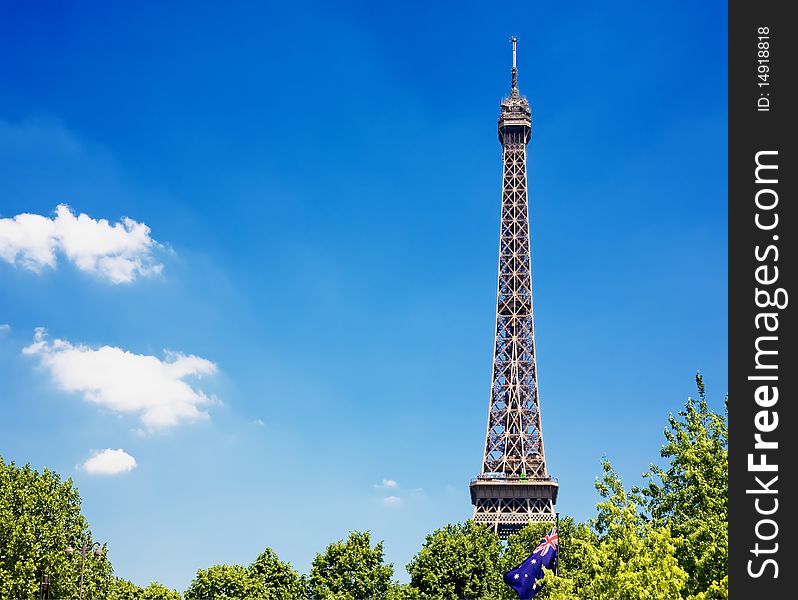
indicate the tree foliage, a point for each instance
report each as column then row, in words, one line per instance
column 621, row 554
column 156, row 591
column 351, row 570
column 458, row 561
column 122, row 589
column 220, row 582
column 402, row 591
column 690, row 496
column 266, row 578
column 668, row 539
column 39, row 519
column 273, row 578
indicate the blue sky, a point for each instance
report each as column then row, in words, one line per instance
column 321, row 187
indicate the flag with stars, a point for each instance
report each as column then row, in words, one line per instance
column 524, row 578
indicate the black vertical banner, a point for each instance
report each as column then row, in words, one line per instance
column 763, row 428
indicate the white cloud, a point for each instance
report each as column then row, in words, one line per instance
column 119, row 252
column 5, row 327
column 392, row 501
column 109, row 462
column 138, row 384
column 258, row 422
column 386, row 483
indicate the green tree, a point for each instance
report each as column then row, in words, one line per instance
column 156, row 591
column 350, row 570
column 402, row 591
column 39, row 519
column 626, row 556
column 220, row 582
column 690, row 496
column 459, row 561
column 123, row 589
column 267, row 578
column 272, row 578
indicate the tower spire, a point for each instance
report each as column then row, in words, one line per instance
column 514, row 40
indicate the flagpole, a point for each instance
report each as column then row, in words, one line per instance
column 559, row 543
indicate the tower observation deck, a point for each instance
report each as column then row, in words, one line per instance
column 514, row 487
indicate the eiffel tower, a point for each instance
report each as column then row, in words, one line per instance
column 515, row 487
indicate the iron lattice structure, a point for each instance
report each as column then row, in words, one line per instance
column 514, row 487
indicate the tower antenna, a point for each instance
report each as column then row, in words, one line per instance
column 514, row 40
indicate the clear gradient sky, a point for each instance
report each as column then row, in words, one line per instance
column 321, row 184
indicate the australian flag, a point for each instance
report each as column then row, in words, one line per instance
column 524, row 578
